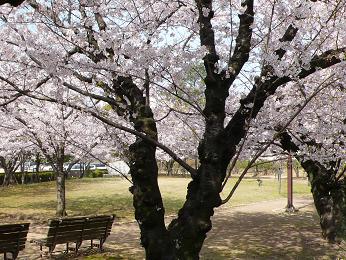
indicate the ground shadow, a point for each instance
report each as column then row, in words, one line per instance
column 268, row 236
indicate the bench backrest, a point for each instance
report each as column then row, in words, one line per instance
column 98, row 227
column 13, row 237
column 66, row 230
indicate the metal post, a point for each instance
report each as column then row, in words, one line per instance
column 289, row 207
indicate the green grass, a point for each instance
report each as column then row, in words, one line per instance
column 111, row 195
column 249, row 191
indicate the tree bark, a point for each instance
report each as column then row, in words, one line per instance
column 169, row 167
column 147, row 200
column 61, row 203
column 9, row 178
column 61, row 190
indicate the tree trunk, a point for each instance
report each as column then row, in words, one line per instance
column 85, row 170
column 169, row 167
column 22, row 170
column 58, row 167
column 329, row 197
column 329, row 193
column 9, row 177
column 10, row 166
column 61, row 201
column 37, row 170
column 189, row 230
column 147, row 200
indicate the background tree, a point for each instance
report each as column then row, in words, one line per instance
column 54, row 131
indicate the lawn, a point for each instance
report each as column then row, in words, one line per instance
column 255, row 231
column 110, row 195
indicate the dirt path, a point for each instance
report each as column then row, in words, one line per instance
column 256, row 231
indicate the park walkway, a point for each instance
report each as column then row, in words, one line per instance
column 255, row 231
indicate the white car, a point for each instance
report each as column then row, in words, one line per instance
column 46, row 167
column 98, row 166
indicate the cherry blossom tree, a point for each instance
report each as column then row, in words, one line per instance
column 13, row 145
column 132, row 55
column 55, row 131
column 318, row 141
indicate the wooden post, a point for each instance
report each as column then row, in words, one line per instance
column 289, row 207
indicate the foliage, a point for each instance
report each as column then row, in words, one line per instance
column 97, row 173
column 30, row 177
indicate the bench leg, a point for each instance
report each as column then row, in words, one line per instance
column 51, row 249
column 91, row 244
column 5, row 257
column 78, row 244
column 101, row 244
column 14, row 255
column 41, row 252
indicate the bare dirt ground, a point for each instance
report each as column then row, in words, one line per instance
column 256, row 231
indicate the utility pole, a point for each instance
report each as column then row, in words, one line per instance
column 289, row 207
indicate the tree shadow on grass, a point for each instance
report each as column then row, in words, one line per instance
column 116, row 204
column 268, row 236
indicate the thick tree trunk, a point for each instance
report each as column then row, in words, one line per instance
column 147, row 201
column 194, row 219
column 329, row 197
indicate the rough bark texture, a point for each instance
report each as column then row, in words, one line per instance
column 61, row 201
column 60, row 187
column 147, row 200
column 329, row 193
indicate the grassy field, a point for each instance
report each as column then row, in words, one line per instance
column 250, row 232
column 110, row 195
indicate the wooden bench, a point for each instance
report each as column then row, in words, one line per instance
column 76, row 230
column 13, row 238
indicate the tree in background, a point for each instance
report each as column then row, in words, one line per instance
column 55, row 131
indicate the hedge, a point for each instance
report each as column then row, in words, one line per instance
column 31, row 177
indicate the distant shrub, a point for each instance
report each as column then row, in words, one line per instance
column 95, row 173
column 32, row 177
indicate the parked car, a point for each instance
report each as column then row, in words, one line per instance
column 98, row 166
column 46, row 167
column 77, row 167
